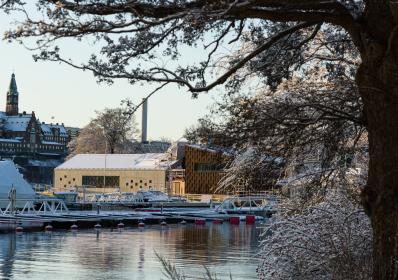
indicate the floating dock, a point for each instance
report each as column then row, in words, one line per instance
column 52, row 214
column 106, row 219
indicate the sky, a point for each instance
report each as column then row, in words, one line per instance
column 60, row 93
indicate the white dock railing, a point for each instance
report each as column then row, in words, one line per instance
column 37, row 207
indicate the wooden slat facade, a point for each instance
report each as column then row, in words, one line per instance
column 198, row 161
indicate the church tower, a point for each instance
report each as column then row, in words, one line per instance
column 12, row 98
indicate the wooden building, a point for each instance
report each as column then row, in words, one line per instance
column 204, row 168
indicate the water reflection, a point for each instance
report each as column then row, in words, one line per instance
column 8, row 250
column 130, row 254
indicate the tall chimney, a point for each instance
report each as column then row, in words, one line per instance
column 144, row 121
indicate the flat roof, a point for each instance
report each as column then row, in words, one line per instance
column 152, row 161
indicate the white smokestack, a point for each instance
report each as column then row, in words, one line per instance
column 144, row 121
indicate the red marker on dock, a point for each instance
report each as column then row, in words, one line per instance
column 250, row 219
column 234, row 220
column 200, row 222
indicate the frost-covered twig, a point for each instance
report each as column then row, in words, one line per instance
column 331, row 240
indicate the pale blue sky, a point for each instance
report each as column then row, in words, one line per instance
column 71, row 96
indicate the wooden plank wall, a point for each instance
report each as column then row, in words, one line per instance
column 202, row 182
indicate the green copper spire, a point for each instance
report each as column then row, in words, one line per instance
column 12, row 90
column 12, row 98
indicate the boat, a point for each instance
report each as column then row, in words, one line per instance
column 68, row 197
column 152, row 196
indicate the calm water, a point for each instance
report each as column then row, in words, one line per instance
column 130, row 254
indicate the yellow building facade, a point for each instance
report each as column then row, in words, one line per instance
column 106, row 173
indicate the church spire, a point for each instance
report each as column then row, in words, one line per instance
column 12, row 98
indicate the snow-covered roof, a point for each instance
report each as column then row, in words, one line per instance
column 213, row 149
column 10, row 140
column 44, row 163
column 16, row 123
column 51, row 143
column 20, row 122
column 46, row 128
column 150, row 161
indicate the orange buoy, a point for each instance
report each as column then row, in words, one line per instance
column 141, row 224
column 200, row 222
column 234, row 220
column 19, row 229
column 250, row 219
column 120, row 225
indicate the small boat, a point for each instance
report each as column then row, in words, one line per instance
column 68, row 197
column 152, row 196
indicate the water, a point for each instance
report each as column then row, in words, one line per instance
column 130, row 253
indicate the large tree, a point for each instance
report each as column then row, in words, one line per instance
column 309, row 129
column 267, row 39
column 112, row 130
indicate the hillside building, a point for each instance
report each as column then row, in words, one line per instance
column 37, row 147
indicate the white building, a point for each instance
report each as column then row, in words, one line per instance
column 106, row 172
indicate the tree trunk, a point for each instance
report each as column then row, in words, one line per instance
column 377, row 79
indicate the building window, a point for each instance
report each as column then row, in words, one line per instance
column 140, row 181
column 60, row 179
column 98, row 181
column 150, row 181
column 131, row 181
column 127, row 184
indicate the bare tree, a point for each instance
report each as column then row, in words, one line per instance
column 90, row 140
column 308, row 127
column 251, row 171
column 110, row 131
column 135, row 33
column 117, row 125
